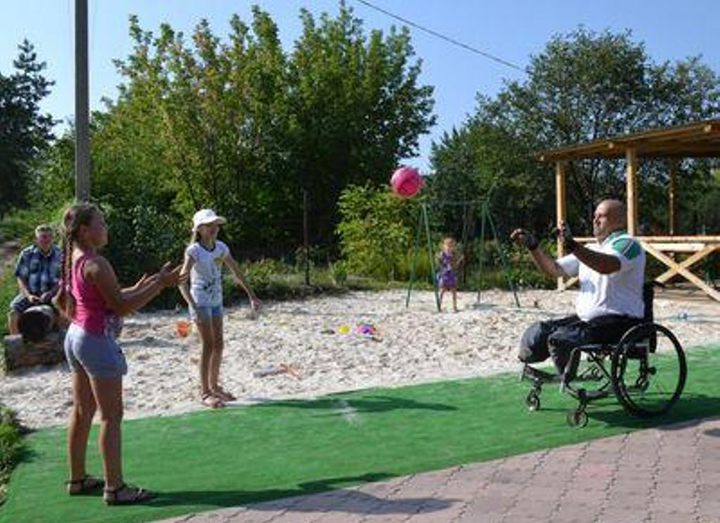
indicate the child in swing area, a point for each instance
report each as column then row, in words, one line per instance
column 204, row 258
column 448, row 263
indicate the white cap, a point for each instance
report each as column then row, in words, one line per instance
column 205, row 217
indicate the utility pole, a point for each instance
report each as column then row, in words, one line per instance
column 82, row 110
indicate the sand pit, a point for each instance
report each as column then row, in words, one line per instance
column 409, row 346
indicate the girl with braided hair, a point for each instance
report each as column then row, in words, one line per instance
column 92, row 300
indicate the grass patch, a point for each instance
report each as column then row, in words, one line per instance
column 209, row 460
column 11, row 446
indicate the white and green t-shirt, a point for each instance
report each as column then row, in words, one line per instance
column 206, row 273
column 616, row 293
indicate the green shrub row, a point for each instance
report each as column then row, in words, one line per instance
column 11, row 446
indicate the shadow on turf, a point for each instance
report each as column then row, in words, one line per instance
column 336, row 498
column 690, row 408
column 360, row 405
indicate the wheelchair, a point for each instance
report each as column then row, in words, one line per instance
column 645, row 370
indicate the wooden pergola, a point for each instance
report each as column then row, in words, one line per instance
column 697, row 140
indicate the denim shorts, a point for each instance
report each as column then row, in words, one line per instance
column 20, row 303
column 100, row 356
column 204, row 314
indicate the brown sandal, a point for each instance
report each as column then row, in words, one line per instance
column 211, row 400
column 85, row 486
column 223, row 394
column 134, row 495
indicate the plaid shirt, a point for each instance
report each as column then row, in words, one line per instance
column 40, row 272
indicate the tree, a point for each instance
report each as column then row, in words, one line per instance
column 357, row 107
column 24, row 131
column 581, row 87
column 243, row 126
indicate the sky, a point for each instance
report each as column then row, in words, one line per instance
column 512, row 30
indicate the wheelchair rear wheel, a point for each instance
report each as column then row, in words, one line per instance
column 648, row 370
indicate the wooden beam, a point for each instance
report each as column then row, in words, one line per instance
column 632, row 200
column 682, row 239
column 664, row 239
column 671, row 197
column 678, row 246
column 560, row 207
column 692, row 260
column 682, row 271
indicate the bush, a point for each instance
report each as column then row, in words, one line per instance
column 11, row 446
column 375, row 230
column 339, row 273
column 8, row 290
column 141, row 240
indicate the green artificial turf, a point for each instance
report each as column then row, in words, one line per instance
column 214, row 459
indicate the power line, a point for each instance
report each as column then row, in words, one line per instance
column 442, row 36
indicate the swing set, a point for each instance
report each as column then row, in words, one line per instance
column 470, row 207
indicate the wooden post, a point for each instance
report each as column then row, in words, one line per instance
column 632, row 200
column 82, row 105
column 561, row 208
column 671, row 197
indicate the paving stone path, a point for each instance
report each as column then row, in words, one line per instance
column 664, row 475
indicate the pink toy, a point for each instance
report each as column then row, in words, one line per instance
column 406, row 182
column 366, row 329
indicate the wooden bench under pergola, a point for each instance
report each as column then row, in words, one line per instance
column 697, row 140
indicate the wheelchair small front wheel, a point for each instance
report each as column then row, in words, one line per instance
column 532, row 401
column 648, row 370
column 577, row 418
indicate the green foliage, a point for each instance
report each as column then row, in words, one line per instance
column 8, row 290
column 582, row 86
column 242, row 126
column 339, row 273
column 142, row 239
column 274, row 280
column 25, row 131
column 260, row 274
column 376, row 230
column 11, row 446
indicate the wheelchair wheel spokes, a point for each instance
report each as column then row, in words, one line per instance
column 648, row 370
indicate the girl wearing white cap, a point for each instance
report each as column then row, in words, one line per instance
column 204, row 258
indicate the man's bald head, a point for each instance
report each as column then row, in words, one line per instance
column 610, row 216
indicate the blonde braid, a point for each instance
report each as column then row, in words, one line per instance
column 75, row 216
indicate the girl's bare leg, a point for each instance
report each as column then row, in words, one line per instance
column 217, row 352
column 207, row 338
column 81, row 417
column 108, row 396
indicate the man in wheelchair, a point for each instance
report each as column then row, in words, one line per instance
column 611, row 274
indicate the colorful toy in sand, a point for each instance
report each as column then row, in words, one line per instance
column 406, row 182
column 183, row 328
column 366, row 329
column 274, row 370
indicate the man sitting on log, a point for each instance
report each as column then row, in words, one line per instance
column 38, row 275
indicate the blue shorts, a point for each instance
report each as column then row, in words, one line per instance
column 20, row 304
column 100, row 356
column 204, row 314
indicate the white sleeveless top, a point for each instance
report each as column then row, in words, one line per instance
column 206, row 273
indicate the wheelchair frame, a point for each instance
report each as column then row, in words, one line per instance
column 638, row 344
